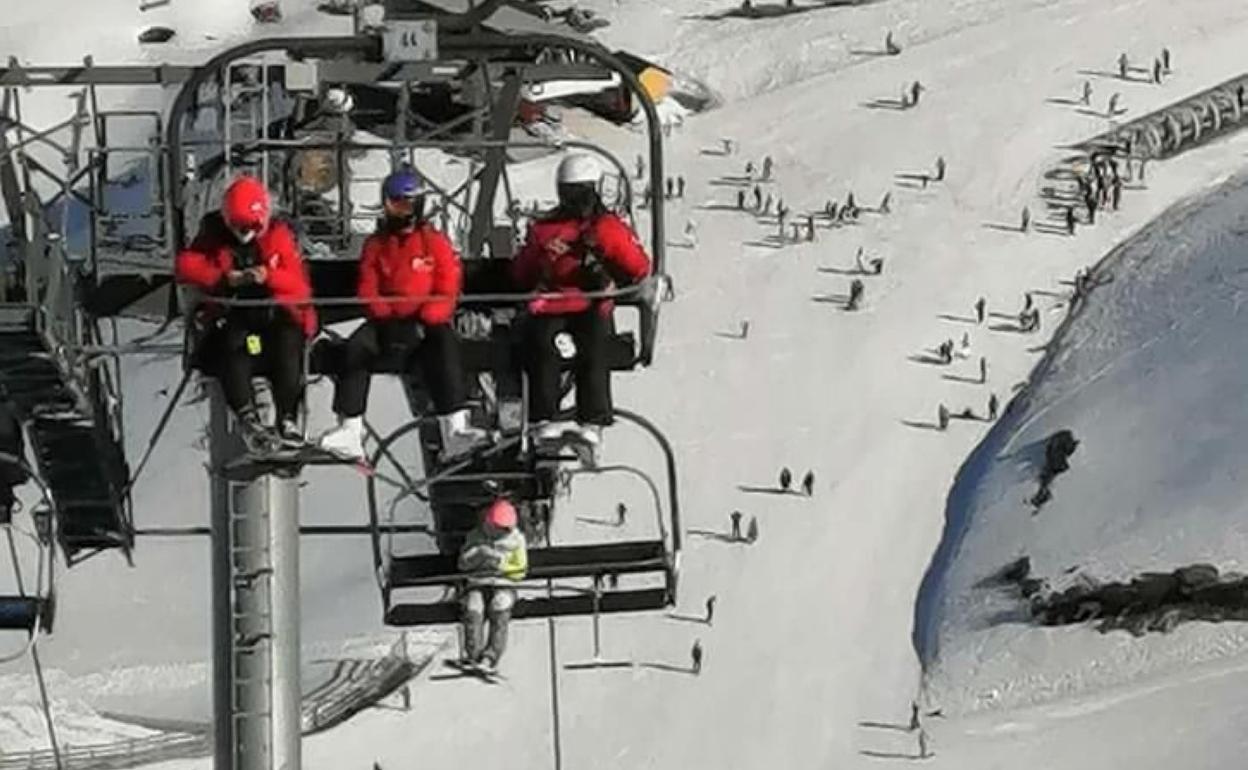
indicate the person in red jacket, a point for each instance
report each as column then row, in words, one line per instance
column 242, row 253
column 579, row 247
column 410, row 278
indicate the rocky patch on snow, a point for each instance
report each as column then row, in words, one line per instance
column 1152, row 601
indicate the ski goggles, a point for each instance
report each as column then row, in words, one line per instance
column 405, row 207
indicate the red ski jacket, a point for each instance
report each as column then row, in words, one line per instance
column 214, row 252
column 543, row 263
column 416, row 265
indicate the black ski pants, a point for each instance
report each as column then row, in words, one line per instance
column 590, row 331
column 434, row 349
column 225, row 355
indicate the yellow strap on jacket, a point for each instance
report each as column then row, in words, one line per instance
column 515, row 564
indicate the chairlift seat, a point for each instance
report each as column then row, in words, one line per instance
column 553, row 563
column 610, row 602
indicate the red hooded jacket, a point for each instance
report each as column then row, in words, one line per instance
column 540, row 265
column 212, row 254
column 416, row 265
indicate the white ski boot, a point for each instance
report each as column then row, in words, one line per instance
column 458, row 436
column 549, row 431
column 347, row 439
column 587, row 443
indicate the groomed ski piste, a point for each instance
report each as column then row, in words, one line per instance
column 811, row 660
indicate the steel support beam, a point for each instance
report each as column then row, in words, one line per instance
column 501, row 117
column 255, row 601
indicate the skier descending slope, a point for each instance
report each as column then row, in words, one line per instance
column 496, row 556
column 579, row 247
column 241, row 253
column 405, row 259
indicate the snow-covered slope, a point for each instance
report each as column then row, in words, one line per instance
column 812, row 634
column 1146, row 376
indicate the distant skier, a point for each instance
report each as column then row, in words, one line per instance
column 1028, row 301
column 916, row 88
column 1070, row 220
column 695, row 653
column 767, row 168
column 810, row 227
column 914, row 716
column 691, row 233
column 964, row 347
column 710, row 609
column 946, row 352
column 924, row 751
column 669, row 185
column 740, row 200
column 940, row 169
column 850, row 206
column 942, row 417
column 993, row 405
column 621, row 511
column 641, row 167
column 1123, row 65
column 1157, row 71
column 786, row 479
column 808, row 484
column 749, row 169
column 758, row 198
column 884, row 202
column 797, row 232
column 780, row 214
column 1165, row 60
column 680, row 187
column 983, row 370
column 1086, row 98
column 751, row 532
column 1112, row 108
column 767, row 205
column 1025, row 220
column 858, row 263
column 831, row 209
column 981, row 305
column 890, row 48
column 736, row 525
column 877, row 265
column 856, row 290
column 1115, row 195
column 726, row 145
column 745, row 328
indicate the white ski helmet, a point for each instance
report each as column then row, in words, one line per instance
column 338, row 101
column 579, row 168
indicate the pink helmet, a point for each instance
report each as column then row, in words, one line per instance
column 501, row 514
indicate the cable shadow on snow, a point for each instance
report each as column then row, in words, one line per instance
column 1002, row 227
column 920, row 424
column 924, row 358
column 719, row 207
